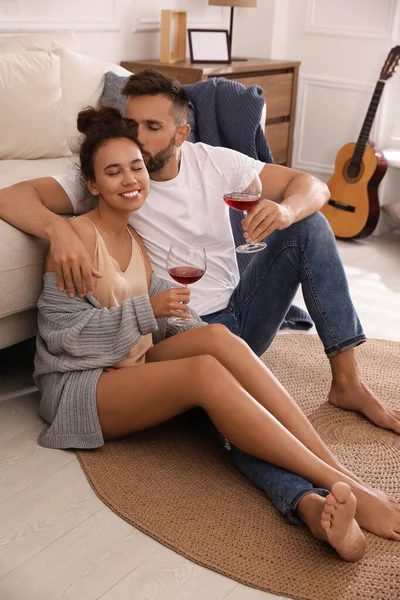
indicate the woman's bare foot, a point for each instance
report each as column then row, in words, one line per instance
column 339, row 467
column 332, row 519
column 361, row 399
column 376, row 513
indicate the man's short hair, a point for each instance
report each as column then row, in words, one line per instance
column 151, row 83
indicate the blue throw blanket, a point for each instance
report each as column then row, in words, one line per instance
column 226, row 113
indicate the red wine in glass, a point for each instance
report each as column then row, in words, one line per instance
column 186, row 275
column 186, row 265
column 242, row 189
column 241, row 201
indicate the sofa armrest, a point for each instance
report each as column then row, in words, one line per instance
column 21, row 267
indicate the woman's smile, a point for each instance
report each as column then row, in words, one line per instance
column 130, row 194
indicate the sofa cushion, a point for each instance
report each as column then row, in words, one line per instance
column 38, row 41
column 22, row 255
column 14, row 171
column 32, row 121
column 82, row 82
column 112, row 96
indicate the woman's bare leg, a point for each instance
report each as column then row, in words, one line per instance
column 253, row 375
column 136, row 398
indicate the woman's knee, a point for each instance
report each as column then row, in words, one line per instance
column 205, row 365
column 207, row 373
column 220, row 337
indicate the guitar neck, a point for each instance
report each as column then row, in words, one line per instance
column 369, row 119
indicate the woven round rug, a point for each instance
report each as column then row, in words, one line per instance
column 176, row 483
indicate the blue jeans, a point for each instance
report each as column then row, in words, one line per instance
column 304, row 254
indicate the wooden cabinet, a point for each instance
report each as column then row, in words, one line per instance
column 278, row 78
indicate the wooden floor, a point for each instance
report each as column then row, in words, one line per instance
column 57, row 539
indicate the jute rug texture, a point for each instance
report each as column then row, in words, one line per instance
column 177, row 484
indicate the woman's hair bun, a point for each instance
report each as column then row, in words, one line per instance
column 99, row 125
column 90, row 119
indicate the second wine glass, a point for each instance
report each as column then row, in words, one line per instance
column 242, row 189
column 186, row 264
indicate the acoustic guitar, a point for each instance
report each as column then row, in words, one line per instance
column 353, row 208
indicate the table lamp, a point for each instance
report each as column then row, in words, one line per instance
column 232, row 4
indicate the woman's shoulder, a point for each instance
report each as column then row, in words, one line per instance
column 85, row 229
column 136, row 236
column 84, row 224
column 142, row 247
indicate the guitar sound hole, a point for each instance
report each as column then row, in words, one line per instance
column 353, row 171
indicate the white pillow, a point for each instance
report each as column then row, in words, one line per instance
column 32, row 123
column 82, row 82
column 38, row 41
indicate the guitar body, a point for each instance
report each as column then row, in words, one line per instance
column 353, row 209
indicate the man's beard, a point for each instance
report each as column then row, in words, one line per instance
column 158, row 161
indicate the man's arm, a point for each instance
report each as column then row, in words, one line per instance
column 32, row 206
column 288, row 196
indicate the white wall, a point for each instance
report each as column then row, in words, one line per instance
column 252, row 29
column 342, row 46
column 129, row 29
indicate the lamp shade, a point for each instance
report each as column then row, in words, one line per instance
column 247, row 3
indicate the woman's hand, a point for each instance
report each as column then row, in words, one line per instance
column 172, row 303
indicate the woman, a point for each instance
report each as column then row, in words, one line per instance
column 101, row 377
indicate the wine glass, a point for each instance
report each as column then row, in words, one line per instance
column 185, row 264
column 242, row 190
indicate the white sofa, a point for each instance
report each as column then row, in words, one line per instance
column 44, row 81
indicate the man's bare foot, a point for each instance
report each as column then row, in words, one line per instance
column 361, row 399
column 341, row 529
column 332, row 519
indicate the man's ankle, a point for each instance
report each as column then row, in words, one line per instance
column 310, row 506
column 344, row 370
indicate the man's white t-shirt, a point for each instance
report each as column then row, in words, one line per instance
column 187, row 209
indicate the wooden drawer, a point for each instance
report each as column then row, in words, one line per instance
column 278, row 139
column 277, row 92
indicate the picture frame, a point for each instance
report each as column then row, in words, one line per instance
column 209, row 46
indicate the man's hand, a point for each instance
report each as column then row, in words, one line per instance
column 172, row 303
column 266, row 217
column 72, row 262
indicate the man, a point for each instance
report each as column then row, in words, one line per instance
column 185, row 204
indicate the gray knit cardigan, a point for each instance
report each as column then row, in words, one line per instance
column 77, row 339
